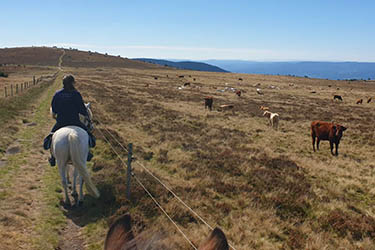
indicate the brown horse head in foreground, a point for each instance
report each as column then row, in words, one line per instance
column 120, row 237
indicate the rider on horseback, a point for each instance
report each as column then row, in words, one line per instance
column 67, row 104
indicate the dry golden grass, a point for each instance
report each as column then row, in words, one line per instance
column 266, row 189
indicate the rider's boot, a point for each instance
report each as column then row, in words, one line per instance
column 89, row 156
column 92, row 143
column 52, row 161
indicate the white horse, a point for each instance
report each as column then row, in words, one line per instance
column 71, row 144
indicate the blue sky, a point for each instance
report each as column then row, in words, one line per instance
column 330, row 30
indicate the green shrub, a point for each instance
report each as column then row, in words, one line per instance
column 2, row 74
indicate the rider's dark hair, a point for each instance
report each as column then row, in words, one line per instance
column 68, row 81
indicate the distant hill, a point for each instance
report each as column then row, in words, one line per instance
column 47, row 56
column 30, row 55
column 189, row 65
column 325, row 70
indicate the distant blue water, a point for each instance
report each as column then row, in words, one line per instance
column 325, row 70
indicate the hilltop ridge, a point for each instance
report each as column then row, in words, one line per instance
column 49, row 56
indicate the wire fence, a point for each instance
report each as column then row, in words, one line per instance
column 18, row 88
column 157, row 179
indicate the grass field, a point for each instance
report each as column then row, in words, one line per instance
column 267, row 189
column 19, row 74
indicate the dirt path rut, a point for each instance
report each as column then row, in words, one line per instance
column 31, row 216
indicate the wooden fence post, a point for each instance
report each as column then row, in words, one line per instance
column 129, row 172
column 6, row 92
column 11, row 89
column 34, row 80
column 21, row 87
column 17, row 88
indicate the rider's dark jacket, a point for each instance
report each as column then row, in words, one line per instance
column 68, row 104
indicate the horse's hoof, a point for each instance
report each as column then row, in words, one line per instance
column 67, row 205
column 79, row 204
column 75, row 196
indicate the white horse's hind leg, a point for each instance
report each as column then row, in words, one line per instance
column 80, row 197
column 64, row 182
column 74, row 187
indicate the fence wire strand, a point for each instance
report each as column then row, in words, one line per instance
column 151, row 196
column 157, row 179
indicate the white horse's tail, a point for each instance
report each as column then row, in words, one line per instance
column 79, row 161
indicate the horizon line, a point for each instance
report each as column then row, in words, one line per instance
column 62, row 46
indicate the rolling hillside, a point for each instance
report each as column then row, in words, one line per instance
column 189, row 65
column 46, row 56
column 42, row 56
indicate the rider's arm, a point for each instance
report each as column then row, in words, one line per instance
column 54, row 107
column 81, row 105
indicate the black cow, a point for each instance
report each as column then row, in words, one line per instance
column 208, row 101
column 338, row 97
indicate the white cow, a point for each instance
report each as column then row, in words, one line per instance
column 273, row 119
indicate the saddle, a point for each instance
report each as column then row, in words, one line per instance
column 48, row 141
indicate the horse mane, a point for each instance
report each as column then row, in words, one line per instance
column 120, row 235
column 216, row 241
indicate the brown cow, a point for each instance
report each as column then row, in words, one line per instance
column 264, row 108
column 120, row 237
column 238, row 92
column 208, row 101
column 326, row 131
column 359, row 101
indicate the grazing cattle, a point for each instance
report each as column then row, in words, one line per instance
column 338, row 97
column 240, row 79
column 273, row 119
column 193, row 79
column 155, row 78
column 208, row 101
column 187, row 84
column 120, row 237
column 326, row 131
column 369, row 100
column 259, row 91
column 225, row 107
column 359, row 101
column 181, row 76
column 238, row 92
column 264, row 108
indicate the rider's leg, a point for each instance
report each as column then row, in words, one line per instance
column 48, row 141
column 92, row 140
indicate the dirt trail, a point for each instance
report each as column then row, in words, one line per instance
column 61, row 60
column 30, row 215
